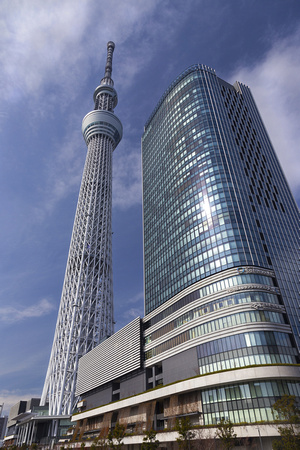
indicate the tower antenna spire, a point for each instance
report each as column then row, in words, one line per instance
column 85, row 316
column 108, row 66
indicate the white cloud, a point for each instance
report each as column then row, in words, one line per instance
column 11, row 397
column 35, row 42
column 16, row 369
column 53, row 42
column 137, row 298
column 47, row 51
column 63, row 173
column 274, row 82
column 13, row 363
column 123, row 316
column 11, row 314
column 127, row 178
column 132, row 313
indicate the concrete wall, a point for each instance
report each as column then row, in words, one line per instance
column 129, row 387
column 3, row 423
column 32, row 402
column 132, row 386
column 181, row 366
column 98, row 398
column 18, row 408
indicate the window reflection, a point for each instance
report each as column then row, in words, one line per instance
column 245, row 402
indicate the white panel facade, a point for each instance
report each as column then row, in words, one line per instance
column 116, row 356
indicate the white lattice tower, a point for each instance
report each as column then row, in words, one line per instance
column 86, row 309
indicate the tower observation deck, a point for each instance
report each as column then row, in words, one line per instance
column 85, row 314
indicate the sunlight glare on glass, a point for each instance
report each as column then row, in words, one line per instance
column 205, row 205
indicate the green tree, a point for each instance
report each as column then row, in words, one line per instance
column 183, row 427
column 225, row 433
column 99, row 443
column 149, row 441
column 115, row 437
column 285, row 410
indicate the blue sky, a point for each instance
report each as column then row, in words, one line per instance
column 52, row 58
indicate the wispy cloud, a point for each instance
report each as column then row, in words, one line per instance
column 63, row 173
column 13, row 364
column 18, row 376
column 129, row 308
column 274, row 82
column 11, row 397
column 52, row 43
column 45, row 49
column 132, row 313
column 127, row 177
column 137, row 298
column 147, row 33
column 35, row 41
column 13, row 314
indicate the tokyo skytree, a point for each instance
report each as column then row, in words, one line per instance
column 85, row 314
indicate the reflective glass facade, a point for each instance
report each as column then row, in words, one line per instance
column 215, row 198
column 245, row 402
column 246, row 349
column 220, row 257
column 220, row 266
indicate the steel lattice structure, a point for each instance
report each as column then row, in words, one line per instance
column 85, row 315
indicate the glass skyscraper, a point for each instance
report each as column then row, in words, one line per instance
column 220, row 235
column 215, row 196
column 220, row 336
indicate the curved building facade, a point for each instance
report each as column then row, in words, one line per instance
column 215, row 196
column 221, row 327
column 220, row 235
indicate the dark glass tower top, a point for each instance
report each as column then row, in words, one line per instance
column 214, row 194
